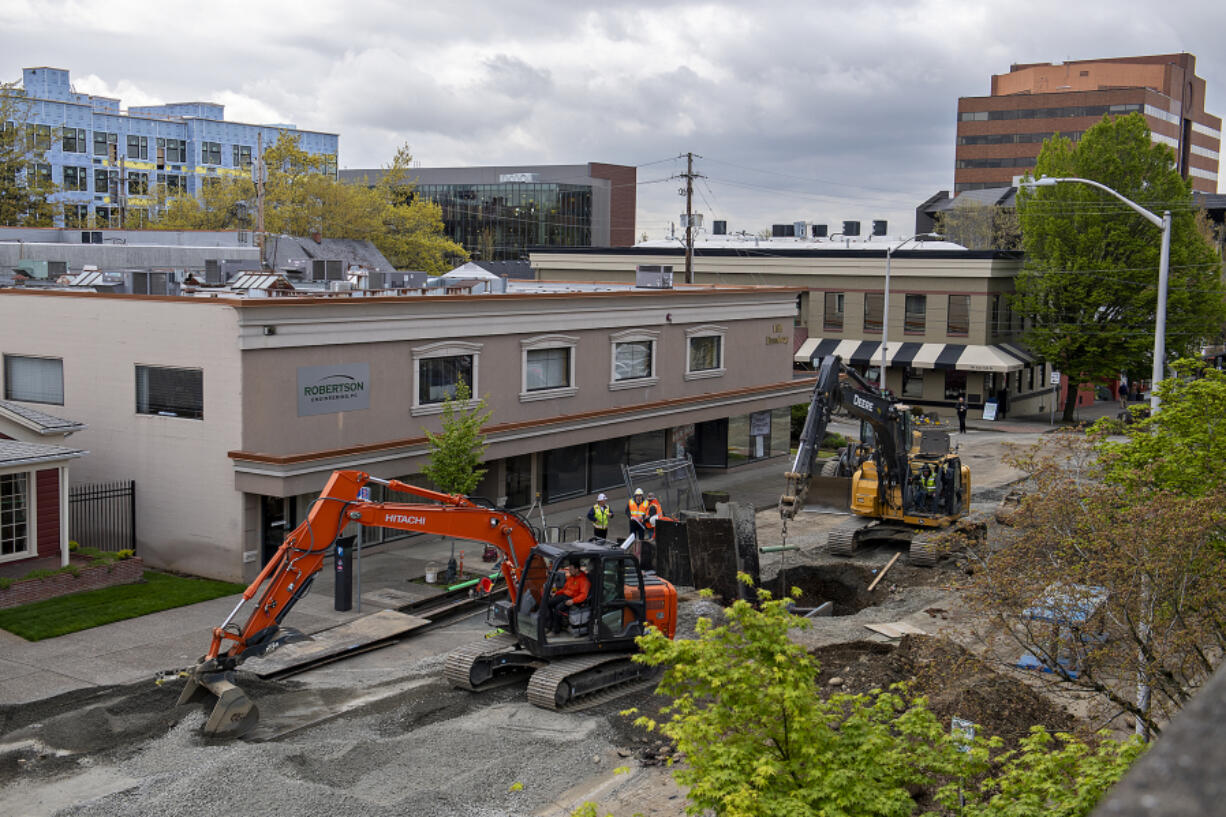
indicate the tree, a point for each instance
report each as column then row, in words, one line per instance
column 1180, row 448
column 301, row 199
column 1118, row 589
column 1088, row 290
column 760, row 741
column 25, row 176
column 979, row 226
column 456, row 451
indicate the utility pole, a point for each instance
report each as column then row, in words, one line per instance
column 689, row 175
column 259, row 196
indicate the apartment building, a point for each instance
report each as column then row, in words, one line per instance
column 228, row 413
column 1000, row 135
column 111, row 164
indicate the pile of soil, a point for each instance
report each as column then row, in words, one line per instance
column 955, row 682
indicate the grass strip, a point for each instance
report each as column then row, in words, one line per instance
column 93, row 608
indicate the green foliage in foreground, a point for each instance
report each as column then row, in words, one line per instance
column 93, row 608
column 760, row 741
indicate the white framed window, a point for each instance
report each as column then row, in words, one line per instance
column 17, row 536
column 170, row 392
column 548, row 367
column 438, row 368
column 34, row 379
column 704, row 352
column 633, row 361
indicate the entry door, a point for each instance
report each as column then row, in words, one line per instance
column 277, row 519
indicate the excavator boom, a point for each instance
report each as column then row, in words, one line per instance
column 288, row 575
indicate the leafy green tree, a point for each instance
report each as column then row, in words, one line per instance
column 1089, row 285
column 760, row 741
column 456, row 451
column 25, row 181
column 1178, row 449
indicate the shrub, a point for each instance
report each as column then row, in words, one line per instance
column 6, row 582
column 72, row 546
column 126, row 553
column 71, row 570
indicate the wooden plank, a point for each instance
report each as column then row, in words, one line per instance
column 351, row 636
column 888, row 565
column 896, row 629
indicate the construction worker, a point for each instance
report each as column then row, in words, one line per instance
column 636, row 510
column 654, row 512
column 574, row 592
column 928, row 482
column 600, row 514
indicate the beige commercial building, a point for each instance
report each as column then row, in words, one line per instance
column 951, row 331
column 230, row 413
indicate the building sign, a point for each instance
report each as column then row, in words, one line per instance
column 331, row 389
column 523, row 178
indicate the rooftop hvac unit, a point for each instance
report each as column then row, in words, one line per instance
column 327, row 269
column 880, row 227
column 56, row 268
column 212, row 272
column 340, row 286
column 781, row 230
column 375, row 279
column 799, row 229
column 91, row 236
column 148, row 283
column 851, row 228
column 653, row 276
column 719, row 227
column 820, row 231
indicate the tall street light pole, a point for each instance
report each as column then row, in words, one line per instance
column 885, row 307
column 1164, row 268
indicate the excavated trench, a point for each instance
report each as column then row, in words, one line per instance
column 846, row 585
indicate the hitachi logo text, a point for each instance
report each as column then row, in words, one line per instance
column 862, row 402
column 405, row 519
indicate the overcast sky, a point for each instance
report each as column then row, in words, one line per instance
column 818, row 111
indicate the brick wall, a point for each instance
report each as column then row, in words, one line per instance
column 623, row 201
column 47, row 487
column 62, row 584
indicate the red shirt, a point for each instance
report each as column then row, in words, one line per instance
column 576, row 587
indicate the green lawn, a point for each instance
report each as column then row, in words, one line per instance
column 80, row 611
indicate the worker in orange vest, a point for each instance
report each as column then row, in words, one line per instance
column 637, row 509
column 654, row 511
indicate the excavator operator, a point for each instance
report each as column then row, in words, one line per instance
column 573, row 593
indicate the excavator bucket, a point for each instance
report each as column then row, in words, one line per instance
column 233, row 715
column 830, row 492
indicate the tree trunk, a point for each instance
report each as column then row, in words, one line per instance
column 1070, row 403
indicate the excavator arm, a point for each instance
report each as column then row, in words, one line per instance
column 288, row 575
column 839, row 387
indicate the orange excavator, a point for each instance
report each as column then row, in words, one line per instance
column 590, row 657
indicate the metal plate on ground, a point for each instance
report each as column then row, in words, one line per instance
column 352, row 636
column 391, row 597
column 896, row 629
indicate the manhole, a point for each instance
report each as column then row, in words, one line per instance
column 845, row 585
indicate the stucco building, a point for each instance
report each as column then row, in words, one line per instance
column 230, row 413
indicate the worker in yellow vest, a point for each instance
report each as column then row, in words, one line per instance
column 600, row 514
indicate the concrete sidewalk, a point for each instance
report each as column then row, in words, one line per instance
column 138, row 649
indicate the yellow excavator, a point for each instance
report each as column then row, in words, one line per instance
column 907, row 480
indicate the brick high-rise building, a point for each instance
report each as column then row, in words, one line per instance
column 999, row 136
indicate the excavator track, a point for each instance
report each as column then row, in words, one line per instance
column 460, row 662
column 923, row 551
column 572, row 684
column 841, row 542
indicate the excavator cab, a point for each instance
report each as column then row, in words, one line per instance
column 610, row 618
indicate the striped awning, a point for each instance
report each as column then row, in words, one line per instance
column 1002, row 357
column 814, row 347
column 862, row 355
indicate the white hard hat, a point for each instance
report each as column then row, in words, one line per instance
column 638, row 491
column 602, row 498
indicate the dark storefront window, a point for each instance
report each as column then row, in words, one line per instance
column 563, row 473
column 708, row 448
column 518, row 480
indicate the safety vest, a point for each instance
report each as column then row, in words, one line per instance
column 653, row 510
column 930, row 482
column 602, row 514
column 638, row 510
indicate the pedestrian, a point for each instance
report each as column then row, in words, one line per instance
column 600, row 515
column 1123, row 393
column 961, row 409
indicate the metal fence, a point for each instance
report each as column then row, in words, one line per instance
column 672, row 481
column 102, row 515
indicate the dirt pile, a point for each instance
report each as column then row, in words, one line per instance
column 955, row 682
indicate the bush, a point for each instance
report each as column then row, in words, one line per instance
column 126, row 553
column 72, row 546
column 71, row 570
column 833, row 439
column 6, row 582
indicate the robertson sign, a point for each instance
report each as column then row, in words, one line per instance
column 332, row 389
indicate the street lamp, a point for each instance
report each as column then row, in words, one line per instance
column 885, row 307
column 1164, row 265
